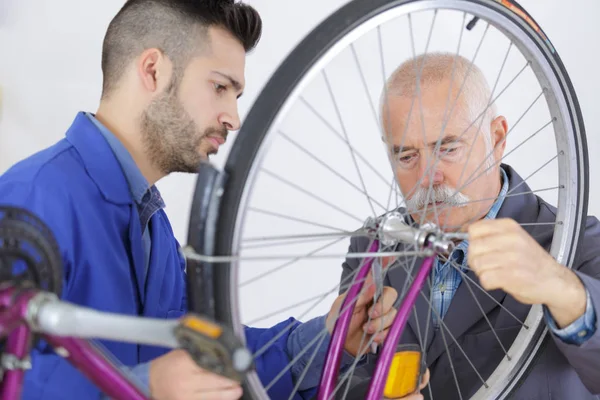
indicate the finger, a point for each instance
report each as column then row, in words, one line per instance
column 494, row 279
column 365, row 297
column 381, row 323
column 487, row 227
column 379, row 337
column 386, row 303
column 424, row 380
column 500, row 242
column 367, row 292
column 418, row 396
column 414, row 396
column 211, row 381
column 387, row 261
column 369, row 289
column 230, row 393
column 485, row 262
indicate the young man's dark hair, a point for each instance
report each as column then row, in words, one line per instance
column 177, row 27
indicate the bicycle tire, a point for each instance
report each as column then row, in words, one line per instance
column 280, row 86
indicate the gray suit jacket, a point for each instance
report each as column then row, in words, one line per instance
column 561, row 372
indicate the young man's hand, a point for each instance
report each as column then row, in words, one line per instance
column 175, row 376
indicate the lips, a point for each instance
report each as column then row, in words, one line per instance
column 219, row 139
column 216, row 140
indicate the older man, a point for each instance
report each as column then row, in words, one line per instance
column 431, row 171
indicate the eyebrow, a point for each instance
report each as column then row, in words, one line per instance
column 236, row 84
column 446, row 140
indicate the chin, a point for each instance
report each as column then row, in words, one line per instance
column 442, row 220
column 204, row 155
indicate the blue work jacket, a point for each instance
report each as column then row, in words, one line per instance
column 79, row 190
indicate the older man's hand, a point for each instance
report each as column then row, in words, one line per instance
column 504, row 256
column 381, row 317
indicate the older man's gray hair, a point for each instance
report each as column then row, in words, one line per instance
column 435, row 68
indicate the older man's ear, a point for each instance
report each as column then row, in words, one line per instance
column 498, row 130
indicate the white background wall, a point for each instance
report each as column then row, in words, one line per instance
column 50, row 69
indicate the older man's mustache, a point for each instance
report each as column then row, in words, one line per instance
column 436, row 194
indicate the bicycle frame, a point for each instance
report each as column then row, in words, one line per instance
column 22, row 308
column 338, row 338
column 65, row 326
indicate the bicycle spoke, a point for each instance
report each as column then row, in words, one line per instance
column 470, row 179
column 350, row 277
column 482, row 311
column 480, row 117
column 347, row 140
column 290, row 218
column 364, row 81
column 307, row 366
column 292, row 306
column 453, row 264
column 450, row 358
column 289, row 263
column 321, row 336
column 324, row 332
column 285, row 240
column 306, row 192
column 322, row 163
column 341, row 137
column 442, row 324
column 535, row 172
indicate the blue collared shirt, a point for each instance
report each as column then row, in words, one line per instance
column 146, row 197
column 446, row 281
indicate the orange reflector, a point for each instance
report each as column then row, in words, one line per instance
column 403, row 375
column 205, row 327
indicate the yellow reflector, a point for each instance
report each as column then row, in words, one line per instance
column 403, row 375
column 205, row 327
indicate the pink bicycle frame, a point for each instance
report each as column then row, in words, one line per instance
column 80, row 353
column 338, row 338
column 15, row 308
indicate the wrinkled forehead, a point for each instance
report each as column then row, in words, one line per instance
column 413, row 122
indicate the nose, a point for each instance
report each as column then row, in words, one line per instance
column 230, row 118
column 430, row 176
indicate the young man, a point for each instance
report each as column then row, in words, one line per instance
column 173, row 71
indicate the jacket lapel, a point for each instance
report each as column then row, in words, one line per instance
column 469, row 305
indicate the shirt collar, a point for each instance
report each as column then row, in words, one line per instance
column 138, row 185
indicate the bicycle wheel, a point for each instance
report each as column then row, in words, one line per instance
column 254, row 165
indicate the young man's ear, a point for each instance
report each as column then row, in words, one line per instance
column 154, row 70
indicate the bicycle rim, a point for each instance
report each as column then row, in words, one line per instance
column 313, row 54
